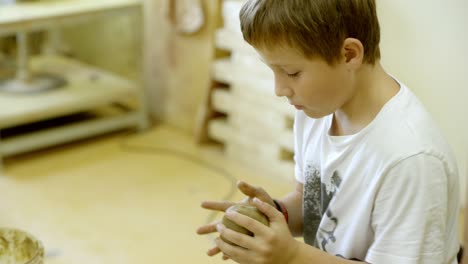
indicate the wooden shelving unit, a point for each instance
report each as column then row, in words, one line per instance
column 93, row 101
column 242, row 111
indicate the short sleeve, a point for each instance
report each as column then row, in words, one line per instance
column 409, row 215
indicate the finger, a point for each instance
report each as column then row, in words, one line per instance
column 271, row 212
column 207, row 229
column 225, row 257
column 234, row 252
column 247, row 189
column 236, row 238
column 214, row 251
column 252, row 191
column 247, row 222
column 217, row 206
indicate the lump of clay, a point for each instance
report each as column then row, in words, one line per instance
column 248, row 210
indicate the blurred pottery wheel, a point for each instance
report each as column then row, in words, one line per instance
column 37, row 83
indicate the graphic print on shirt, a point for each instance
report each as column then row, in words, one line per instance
column 317, row 197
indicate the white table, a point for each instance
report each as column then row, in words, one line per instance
column 115, row 102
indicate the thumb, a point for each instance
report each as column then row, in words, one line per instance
column 271, row 212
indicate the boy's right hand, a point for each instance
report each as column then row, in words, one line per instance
column 250, row 192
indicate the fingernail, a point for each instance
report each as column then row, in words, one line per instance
column 230, row 214
column 256, row 200
column 219, row 227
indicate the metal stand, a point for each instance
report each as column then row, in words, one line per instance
column 25, row 81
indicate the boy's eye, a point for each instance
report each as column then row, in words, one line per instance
column 292, row 75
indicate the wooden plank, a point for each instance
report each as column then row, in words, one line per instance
column 256, row 89
column 224, row 100
column 250, row 66
column 87, row 87
column 187, row 73
column 243, row 56
column 281, row 137
column 40, row 15
column 264, row 145
column 222, row 71
column 267, row 118
column 231, row 41
column 156, row 39
column 232, row 105
column 204, row 111
column 230, row 12
column 283, row 169
column 221, row 131
column 255, row 120
column 236, row 73
column 55, row 136
column 279, row 105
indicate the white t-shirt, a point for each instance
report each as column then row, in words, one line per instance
column 388, row 194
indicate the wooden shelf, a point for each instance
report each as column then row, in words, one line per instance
column 241, row 110
column 88, row 88
column 59, row 131
column 39, row 15
column 255, row 151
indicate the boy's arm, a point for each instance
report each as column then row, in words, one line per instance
column 309, row 254
column 293, row 203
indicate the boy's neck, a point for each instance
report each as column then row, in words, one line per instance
column 374, row 88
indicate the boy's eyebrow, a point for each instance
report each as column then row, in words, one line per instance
column 275, row 65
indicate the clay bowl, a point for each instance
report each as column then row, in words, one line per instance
column 19, row 247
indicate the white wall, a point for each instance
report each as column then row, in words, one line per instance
column 425, row 45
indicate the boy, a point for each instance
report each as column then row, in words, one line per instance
column 376, row 181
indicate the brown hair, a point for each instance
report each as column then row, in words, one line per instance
column 314, row 27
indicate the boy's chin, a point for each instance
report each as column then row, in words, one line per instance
column 314, row 115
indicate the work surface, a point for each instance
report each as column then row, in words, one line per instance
column 99, row 202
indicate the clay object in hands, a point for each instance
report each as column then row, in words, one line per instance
column 248, row 210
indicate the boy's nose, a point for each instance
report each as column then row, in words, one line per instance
column 282, row 90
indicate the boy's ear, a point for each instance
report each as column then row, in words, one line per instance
column 353, row 52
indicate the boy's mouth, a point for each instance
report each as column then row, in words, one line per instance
column 298, row 107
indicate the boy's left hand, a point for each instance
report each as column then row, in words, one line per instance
column 273, row 244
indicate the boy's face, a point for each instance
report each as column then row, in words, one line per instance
column 310, row 85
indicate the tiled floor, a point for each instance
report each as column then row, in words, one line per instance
column 98, row 201
column 116, row 199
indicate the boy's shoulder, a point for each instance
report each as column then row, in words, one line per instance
column 405, row 123
column 402, row 128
